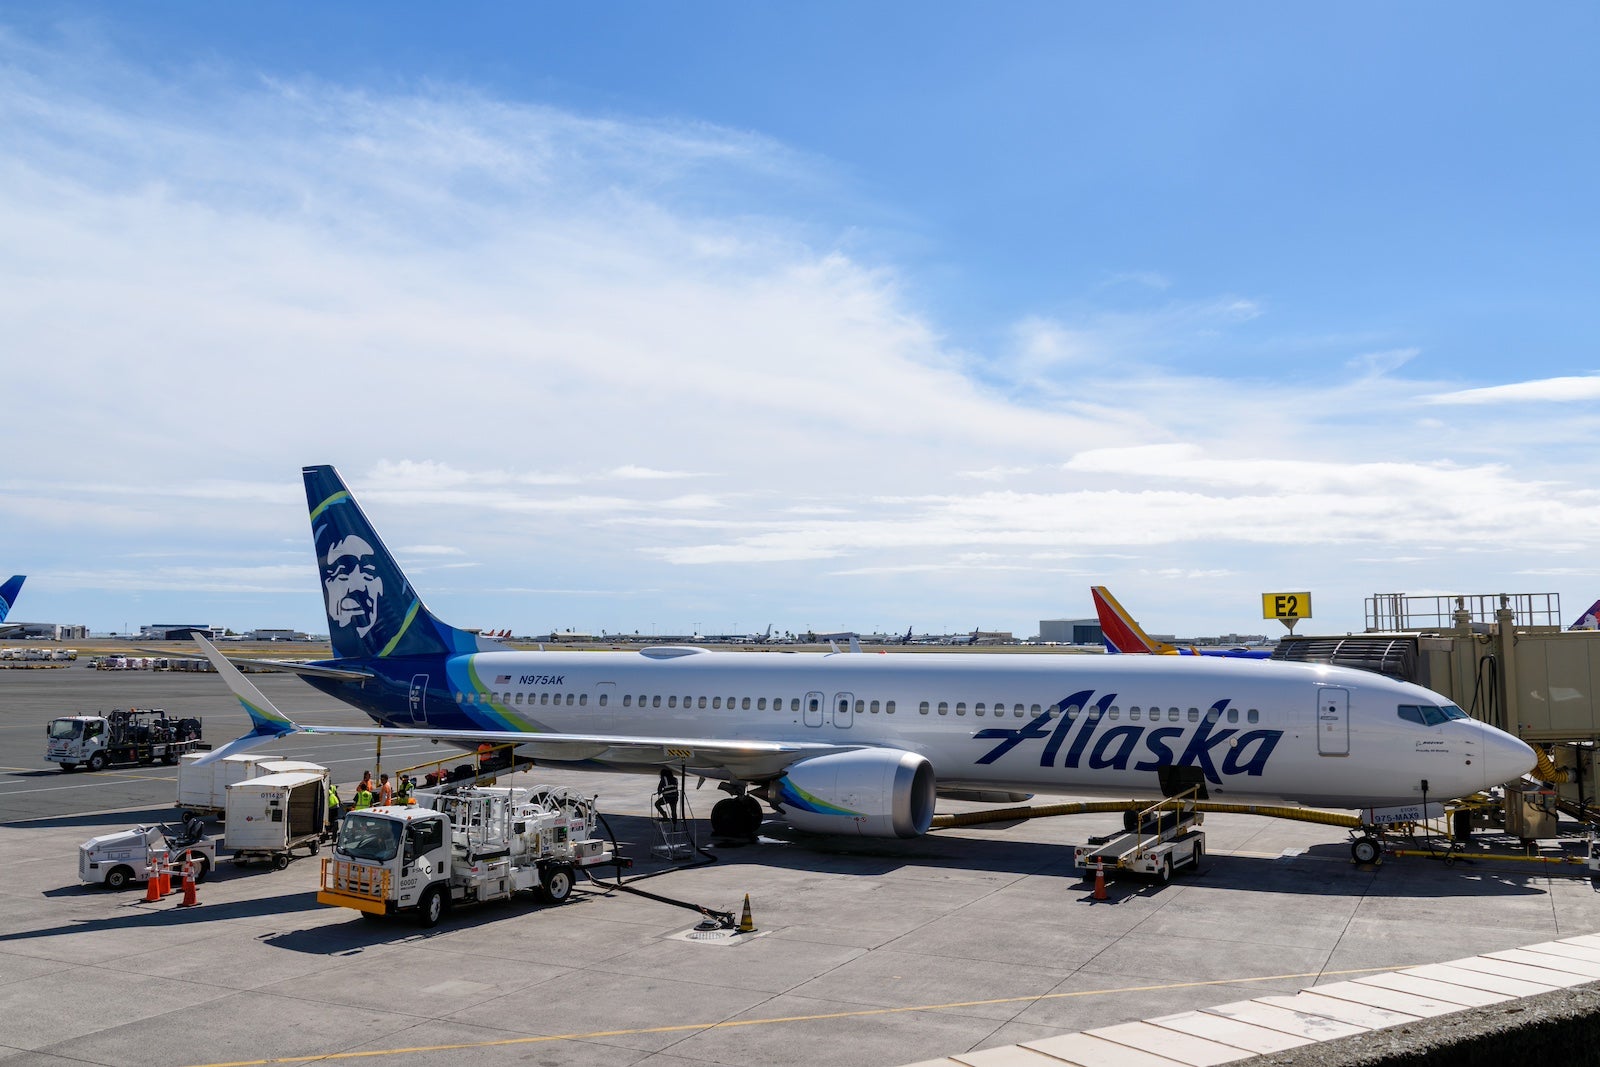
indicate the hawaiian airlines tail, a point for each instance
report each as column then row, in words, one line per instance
column 372, row 610
column 1119, row 630
column 1589, row 620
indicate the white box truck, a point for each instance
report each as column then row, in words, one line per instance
column 272, row 814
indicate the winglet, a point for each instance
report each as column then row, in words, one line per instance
column 1119, row 630
column 267, row 722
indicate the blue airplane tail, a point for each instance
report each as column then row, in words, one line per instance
column 8, row 594
column 373, row 612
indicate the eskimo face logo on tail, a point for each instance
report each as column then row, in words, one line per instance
column 1216, row 752
column 351, row 584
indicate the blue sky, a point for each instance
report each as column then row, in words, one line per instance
column 831, row 316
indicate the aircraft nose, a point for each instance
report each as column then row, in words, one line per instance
column 1504, row 757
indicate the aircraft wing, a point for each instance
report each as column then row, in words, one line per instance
column 316, row 670
column 742, row 759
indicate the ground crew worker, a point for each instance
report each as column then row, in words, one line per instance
column 366, row 783
column 333, row 808
column 667, row 795
column 363, row 796
column 406, row 788
column 385, row 790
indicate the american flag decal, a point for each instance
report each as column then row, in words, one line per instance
column 502, row 679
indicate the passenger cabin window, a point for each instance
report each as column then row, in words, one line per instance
column 888, row 708
column 627, row 700
column 1194, row 714
column 922, row 709
column 1233, row 714
column 602, row 700
column 961, row 707
column 874, row 707
column 655, row 701
column 519, row 698
column 794, row 703
column 1035, row 710
column 744, row 705
column 702, row 703
column 761, row 704
column 716, row 702
column 944, row 708
column 583, row 700
column 979, row 708
column 1252, row 715
column 1212, row 715
column 1133, row 714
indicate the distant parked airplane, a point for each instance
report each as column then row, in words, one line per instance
column 1589, row 620
column 1122, row 633
column 8, row 597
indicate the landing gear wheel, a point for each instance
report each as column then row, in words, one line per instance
column 97, row 761
column 752, row 812
column 118, row 878
column 558, row 884
column 432, row 908
column 280, row 861
column 736, row 817
column 1365, row 850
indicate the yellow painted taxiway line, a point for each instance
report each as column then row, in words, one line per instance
column 730, row 1024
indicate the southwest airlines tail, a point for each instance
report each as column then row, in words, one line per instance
column 1118, row 629
column 372, row 610
column 8, row 594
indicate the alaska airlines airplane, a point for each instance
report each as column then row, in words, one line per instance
column 1121, row 633
column 861, row 743
column 8, row 597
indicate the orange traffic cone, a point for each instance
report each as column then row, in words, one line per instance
column 1100, row 879
column 152, row 888
column 165, row 876
column 747, row 924
column 190, row 899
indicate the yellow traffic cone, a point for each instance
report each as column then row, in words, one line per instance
column 747, row 925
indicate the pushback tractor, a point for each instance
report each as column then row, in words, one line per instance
column 471, row 846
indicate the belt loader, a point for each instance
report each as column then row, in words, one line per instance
column 470, row 846
column 1154, row 841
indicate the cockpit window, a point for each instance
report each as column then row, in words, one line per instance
column 1428, row 715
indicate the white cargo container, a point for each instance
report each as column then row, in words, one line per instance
column 273, row 813
column 203, row 789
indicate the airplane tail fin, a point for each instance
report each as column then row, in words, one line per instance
column 1589, row 620
column 1119, row 630
column 266, row 721
column 8, row 594
column 372, row 609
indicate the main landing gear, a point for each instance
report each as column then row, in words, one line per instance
column 736, row 817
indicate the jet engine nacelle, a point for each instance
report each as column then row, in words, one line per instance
column 874, row 792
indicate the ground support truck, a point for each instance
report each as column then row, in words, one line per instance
column 120, row 859
column 271, row 815
column 1155, row 841
column 137, row 735
column 474, row 845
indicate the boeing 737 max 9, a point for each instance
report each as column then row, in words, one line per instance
column 859, row 743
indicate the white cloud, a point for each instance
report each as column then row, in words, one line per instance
column 1571, row 389
column 519, row 331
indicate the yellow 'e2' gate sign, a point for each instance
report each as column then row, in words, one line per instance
column 1287, row 608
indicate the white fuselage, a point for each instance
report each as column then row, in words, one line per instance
column 1106, row 725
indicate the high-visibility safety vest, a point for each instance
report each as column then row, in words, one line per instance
column 363, row 798
column 333, row 796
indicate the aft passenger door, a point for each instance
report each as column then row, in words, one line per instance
column 1333, row 722
column 843, row 709
column 419, row 699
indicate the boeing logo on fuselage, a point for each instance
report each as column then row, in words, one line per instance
column 1247, row 751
